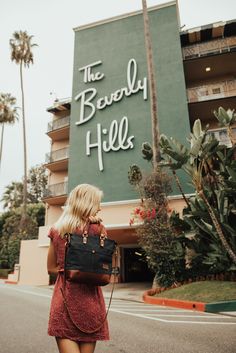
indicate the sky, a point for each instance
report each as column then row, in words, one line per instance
column 52, row 22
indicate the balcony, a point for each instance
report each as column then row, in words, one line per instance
column 216, row 90
column 222, row 136
column 56, row 194
column 213, row 47
column 57, row 160
column 58, row 129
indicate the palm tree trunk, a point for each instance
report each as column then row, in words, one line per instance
column 218, row 227
column 24, row 144
column 180, row 187
column 152, row 88
column 1, row 146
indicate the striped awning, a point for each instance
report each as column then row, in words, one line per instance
column 208, row 32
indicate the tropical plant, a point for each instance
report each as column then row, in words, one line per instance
column 37, row 182
column 8, row 114
column 226, row 119
column 213, row 174
column 13, row 195
column 12, row 236
column 164, row 252
column 21, row 53
column 11, row 233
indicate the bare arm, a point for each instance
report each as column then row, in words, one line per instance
column 52, row 266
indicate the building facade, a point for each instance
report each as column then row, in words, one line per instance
column 97, row 134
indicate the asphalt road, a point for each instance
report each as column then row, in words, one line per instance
column 134, row 327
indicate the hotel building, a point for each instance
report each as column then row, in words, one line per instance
column 97, row 134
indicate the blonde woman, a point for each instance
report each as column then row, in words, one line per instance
column 86, row 302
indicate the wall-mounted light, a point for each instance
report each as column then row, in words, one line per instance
column 208, row 69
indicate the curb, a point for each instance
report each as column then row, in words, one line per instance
column 190, row 305
column 10, row 282
column 226, row 306
column 221, row 306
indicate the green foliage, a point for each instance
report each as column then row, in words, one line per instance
column 13, row 195
column 134, row 175
column 21, row 48
column 37, row 212
column 203, row 291
column 225, row 118
column 13, row 250
column 37, row 181
column 8, row 110
column 164, row 253
column 147, row 152
column 11, row 232
column 209, row 221
column 4, row 272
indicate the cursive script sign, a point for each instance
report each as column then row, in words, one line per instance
column 116, row 137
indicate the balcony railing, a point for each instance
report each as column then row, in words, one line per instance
column 57, row 155
column 217, row 46
column 56, row 190
column 222, row 136
column 58, row 123
column 214, row 90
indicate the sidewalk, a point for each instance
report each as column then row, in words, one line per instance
column 135, row 291
column 127, row 291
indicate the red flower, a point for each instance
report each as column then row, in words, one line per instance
column 142, row 214
column 153, row 213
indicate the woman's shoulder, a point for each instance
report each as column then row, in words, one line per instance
column 97, row 228
column 53, row 233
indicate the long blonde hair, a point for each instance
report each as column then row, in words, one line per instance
column 83, row 202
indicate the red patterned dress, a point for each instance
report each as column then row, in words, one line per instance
column 85, row 302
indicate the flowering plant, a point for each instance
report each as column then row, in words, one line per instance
column 142, row 213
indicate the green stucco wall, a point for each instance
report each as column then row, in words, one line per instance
column 114, row 44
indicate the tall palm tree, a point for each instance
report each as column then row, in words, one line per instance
column 8, row 114
column 21, row 53
column 152, row 88
column 13, row 195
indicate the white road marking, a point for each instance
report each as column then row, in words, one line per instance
column 143, row 316
column 173, row 321
column 195, row 316
column 27, row 292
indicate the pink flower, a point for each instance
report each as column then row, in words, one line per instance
column 153, row 213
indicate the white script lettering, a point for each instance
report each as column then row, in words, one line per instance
column 117, row 139
column 133, row 86
column 89, row 76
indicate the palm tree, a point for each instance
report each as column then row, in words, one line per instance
column 152, row 88
column 13, row 195
column 8, row 114
column 21, row 53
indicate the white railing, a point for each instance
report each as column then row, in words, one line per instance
column 59, row 123
column 216, row 90
column 222, row 136
column 57, row 155
column 216, row 46
column 58, row 189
